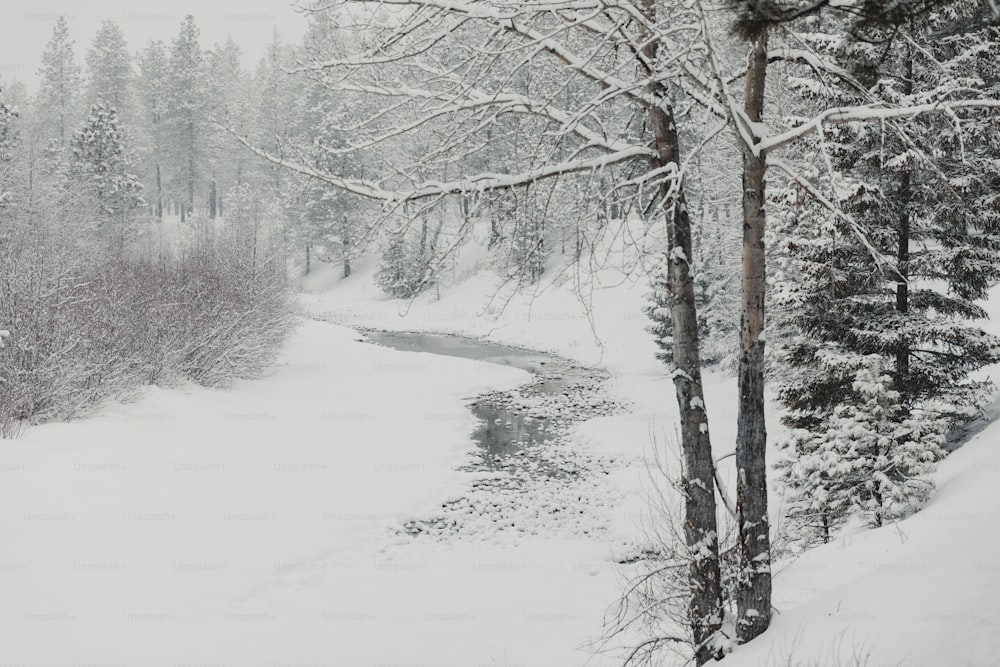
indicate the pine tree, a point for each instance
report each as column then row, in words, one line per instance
column 60, row 83
column 185, row 115
column 228, row 88
column 328, row 221
column 276, row 93
column 403, row 272
column 899, row 294
column 152, row 93
column 872, row 456
column 110, row 75
column 100, row 159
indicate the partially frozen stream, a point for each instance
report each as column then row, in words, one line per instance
column 525, row 444
column 513, row 426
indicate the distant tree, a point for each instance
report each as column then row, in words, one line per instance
column 186, row 115
column 60, row 83
column 400, row 273
column 229, row 89
column 277, row 95
column 328, row 223
column 152, row 93
column 8, row 130
column 110, row 73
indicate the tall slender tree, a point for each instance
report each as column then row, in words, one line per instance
column 185, row 124
column 59, row 91
column 152, row 93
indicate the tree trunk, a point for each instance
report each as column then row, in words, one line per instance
column 753, row 590
column 159, row 194
column 705, row 612
column 903, row 249
column 190, row 194
column 902, row 285
column 211, row 200
column 308, row 258
column 345, row 243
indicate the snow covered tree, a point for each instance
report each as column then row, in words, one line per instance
column 872, row 456
column 184, row 122
column 8, row 140
column 60, row 83
column 228, row 87
column 399, row 272
column 152, row 93
column 101, row 160
column 896, row 273
column 8, row 131
column 109, row 71
column 328, row 224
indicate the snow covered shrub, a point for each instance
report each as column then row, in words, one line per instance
column 87, row 323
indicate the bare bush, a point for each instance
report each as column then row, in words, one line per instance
column 86, row 325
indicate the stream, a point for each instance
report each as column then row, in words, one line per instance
column 514, row 426
column 531, row 477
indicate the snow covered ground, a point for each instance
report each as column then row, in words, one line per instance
column 923, row 592
column 260, row 526
column 255, row 527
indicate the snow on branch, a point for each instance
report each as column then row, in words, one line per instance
column 474, row 183
column 867, row 113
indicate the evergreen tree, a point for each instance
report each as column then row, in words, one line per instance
column 897, row 292
column 60, row 83
column 276, row 93
column 328, row 221
column 8, row 140
column 873, row 455
column 152, row 93
column 8, row 130
column 715, row 297
column 100, row 159
column 185, row 115
column 109, row 68
column 228, row 88
column 401, row 272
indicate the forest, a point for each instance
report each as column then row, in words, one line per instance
column 807, row 191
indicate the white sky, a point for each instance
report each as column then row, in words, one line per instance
column 25, row 27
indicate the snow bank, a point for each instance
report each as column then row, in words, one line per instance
column 925, row 591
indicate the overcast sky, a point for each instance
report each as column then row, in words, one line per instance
column 25, row 27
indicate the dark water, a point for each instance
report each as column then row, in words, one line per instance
column 510, row 436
